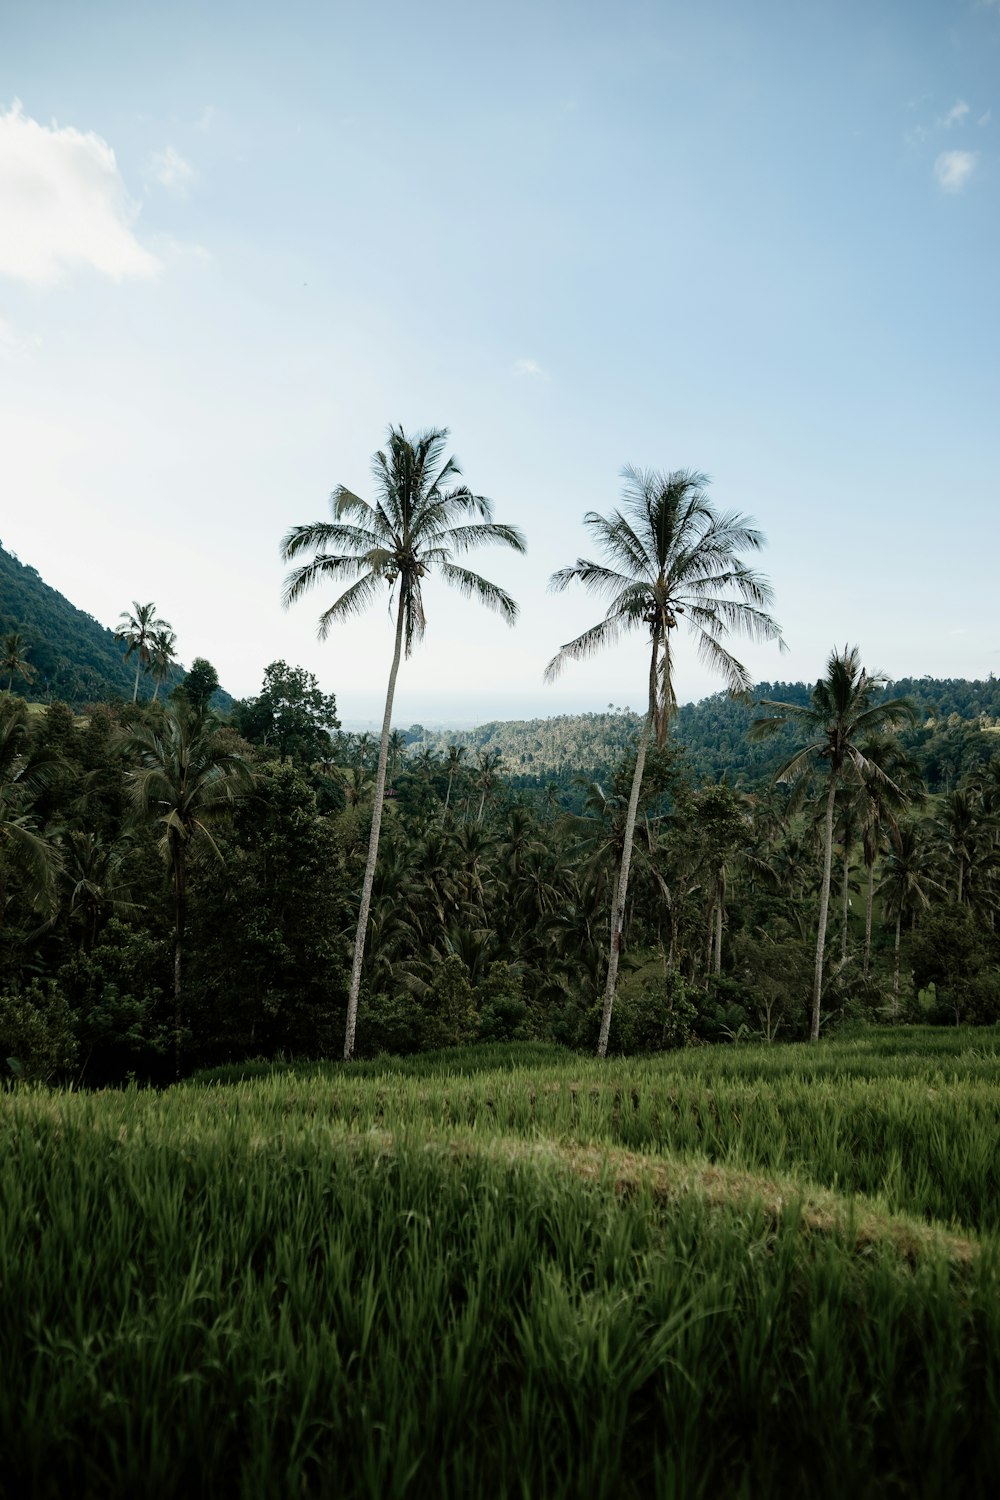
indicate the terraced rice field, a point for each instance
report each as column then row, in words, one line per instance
column 724, row 1272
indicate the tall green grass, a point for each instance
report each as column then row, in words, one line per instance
column 365, row 1282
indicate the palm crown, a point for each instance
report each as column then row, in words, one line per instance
column 843, row 711
column 671, row 554
column 415, row 524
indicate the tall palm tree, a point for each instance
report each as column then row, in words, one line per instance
column 488, row 763
column 883, row 805
column 844, row 710
column 456, row 754
column 185, row 779
column 960, row 835
column 12, row 659
column 419, row 521
column 669, row 554
column 137, row 632
column 397, row 749
column 162, row 656
column 909, row 881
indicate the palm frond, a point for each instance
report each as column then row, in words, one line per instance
column 606, row 633
column 714, row 655
column 322, row 535
column 320, row 570
column 473, row 586
column 594, row 575
column 462, row 538
column 353, row 601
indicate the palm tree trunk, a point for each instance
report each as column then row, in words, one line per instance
column 846, row 903
column 718, row 935
column 621, row 888
column 869, row 907
column 709, row 939
column 895, row 971
column 369, row 880
column 135, row 690
column 824, row 908
column 179, row 914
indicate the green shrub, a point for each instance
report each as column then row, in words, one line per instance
column 504, row 1014
column 36, row 1032
column 449, row 1006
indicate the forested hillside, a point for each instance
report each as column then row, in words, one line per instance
column 73, row 658
column 953, row 734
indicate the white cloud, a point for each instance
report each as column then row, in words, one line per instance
column 953, row 170
column 8, row 338
column 986, row 117
column 171, row 171
column 955, row 115
column 529, row 367
column 63, row 204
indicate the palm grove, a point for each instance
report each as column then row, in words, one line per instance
column 178, row 887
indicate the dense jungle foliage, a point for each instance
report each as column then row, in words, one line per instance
column 178, row 889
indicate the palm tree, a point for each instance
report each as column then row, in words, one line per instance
column 960, row 834
column 94, row 872
column 162, row 656
column 24, row 774
column 908, row 882
column 670, row 554
column 12, row 659
column 884, row 802
column 488, row 763
column 456, row 754
column 185, row 779
column 137, row 631
column 844, row 711
column 420, row 520
column 397, row 749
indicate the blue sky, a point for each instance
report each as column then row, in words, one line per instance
column 238, row 241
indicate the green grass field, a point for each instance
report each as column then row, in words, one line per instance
column 511, row 1271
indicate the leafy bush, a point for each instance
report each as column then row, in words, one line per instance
column 504, row 1013
column 449, row 1008
column 651, row 1018
column 36, row 1032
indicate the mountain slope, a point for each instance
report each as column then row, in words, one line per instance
column 76, row 659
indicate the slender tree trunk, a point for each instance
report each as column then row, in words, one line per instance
column 869, row 907
column 369, row 880
column 180, row 893
column 135, row 690
column 718, row 935
column 961, row 879
column 824, row 908
column 846, row 903
column 621, row 888
column 895, row 969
